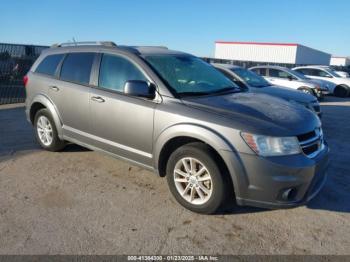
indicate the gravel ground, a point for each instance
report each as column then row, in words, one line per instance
column 83, row 202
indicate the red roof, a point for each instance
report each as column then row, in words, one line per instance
column 255, row 43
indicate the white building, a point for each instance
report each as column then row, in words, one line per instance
column 340, row 61
column 271, row 53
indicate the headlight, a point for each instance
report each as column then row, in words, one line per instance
column 272, row 146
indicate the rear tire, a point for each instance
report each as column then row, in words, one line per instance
column 341, row 91
column 46, row 131
column 202, row 191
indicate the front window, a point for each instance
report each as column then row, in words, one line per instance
column 280, row 74
column 250, row 77
column 115, row 71
column 190, row 76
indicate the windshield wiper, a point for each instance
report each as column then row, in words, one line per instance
column 220, row 91
column 225, row 90
column 184, row 94
column 263, row 85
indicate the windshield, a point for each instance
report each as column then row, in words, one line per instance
column 250, row 77
column 190, row 76
column 332, row 72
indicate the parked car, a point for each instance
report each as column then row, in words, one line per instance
column 341, row 85
column 252, row 82
column 283, row 76
column 173, row 113
column 342, row 74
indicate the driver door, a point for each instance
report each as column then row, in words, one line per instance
column 121, row 124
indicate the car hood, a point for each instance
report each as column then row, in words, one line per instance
column 285, row 93
column 321, row 83
column 258, row 113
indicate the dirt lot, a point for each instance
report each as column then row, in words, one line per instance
column 83, row 202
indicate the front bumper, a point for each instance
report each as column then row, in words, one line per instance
column 263, row 182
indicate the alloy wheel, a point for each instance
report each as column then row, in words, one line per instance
column 193, row 181
column 44, row 130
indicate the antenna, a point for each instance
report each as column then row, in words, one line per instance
column 75, row 42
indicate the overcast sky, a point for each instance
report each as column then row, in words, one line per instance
column 188, row 25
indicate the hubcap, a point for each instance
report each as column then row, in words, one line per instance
column 44, row 130
column 193, row 181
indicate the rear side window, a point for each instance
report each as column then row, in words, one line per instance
column 115, row 71
column 77, row 67
column 49, row 65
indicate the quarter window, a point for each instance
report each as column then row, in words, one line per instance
column 77, row 67
column 49, row 65
column 115, row 71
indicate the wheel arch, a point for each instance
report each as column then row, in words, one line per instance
column 42, row 101
column 179, row 135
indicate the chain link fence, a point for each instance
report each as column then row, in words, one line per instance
column 15, row 61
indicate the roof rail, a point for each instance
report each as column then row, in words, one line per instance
column 150, row 46
column 104, row 43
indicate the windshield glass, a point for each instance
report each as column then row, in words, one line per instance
column 250, row 77
column 190, row 76
column 332, row 73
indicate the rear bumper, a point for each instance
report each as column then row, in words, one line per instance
column 280, row 182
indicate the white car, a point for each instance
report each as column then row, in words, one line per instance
column 342, row 74
column 282, row 76
column 341, row 85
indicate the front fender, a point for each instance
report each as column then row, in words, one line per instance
column 221, row 145
column 45, row 101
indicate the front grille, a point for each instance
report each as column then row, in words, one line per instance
column 311, row 143
column 306, row 136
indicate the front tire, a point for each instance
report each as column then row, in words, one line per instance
column 46, row 132
column 195, row 180
column 341, row 91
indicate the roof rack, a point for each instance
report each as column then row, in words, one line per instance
column 150, row 46
column 104, row 43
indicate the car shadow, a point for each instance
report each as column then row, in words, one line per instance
column 17, row 135
column 335, row 195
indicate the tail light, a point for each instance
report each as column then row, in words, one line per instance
column 25, row 80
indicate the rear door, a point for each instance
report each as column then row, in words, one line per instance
column 121, row 124
column 71, row 94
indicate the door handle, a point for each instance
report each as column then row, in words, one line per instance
column 54, row 88
column 97, row 99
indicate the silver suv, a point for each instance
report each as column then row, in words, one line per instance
column 173, row 113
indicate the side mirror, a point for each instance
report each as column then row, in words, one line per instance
column 140, row 89
column 290, row 78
